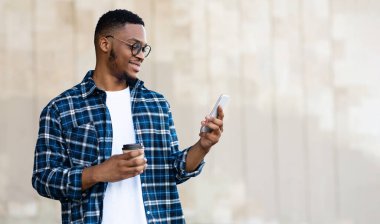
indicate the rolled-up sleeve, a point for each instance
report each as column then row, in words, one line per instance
column 180, row 166
column 52, row 176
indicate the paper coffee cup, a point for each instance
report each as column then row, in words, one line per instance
column 137, row 146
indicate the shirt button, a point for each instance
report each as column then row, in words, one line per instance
column 148, row 212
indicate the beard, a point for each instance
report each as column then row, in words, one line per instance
column 121, row 74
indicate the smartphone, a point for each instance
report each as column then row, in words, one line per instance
column 222, row 101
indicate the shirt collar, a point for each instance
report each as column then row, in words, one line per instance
column 88, row 85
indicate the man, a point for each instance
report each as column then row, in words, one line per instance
column 78, row 155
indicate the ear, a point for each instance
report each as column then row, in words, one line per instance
column 104, row 44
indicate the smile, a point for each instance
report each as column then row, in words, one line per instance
column 135, row 66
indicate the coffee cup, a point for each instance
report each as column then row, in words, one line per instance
column 137, row 146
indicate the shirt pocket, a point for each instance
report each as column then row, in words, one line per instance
column 83, row 145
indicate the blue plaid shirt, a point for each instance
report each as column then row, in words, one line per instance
column 76, row 132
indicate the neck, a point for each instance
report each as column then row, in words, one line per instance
column 107, row 81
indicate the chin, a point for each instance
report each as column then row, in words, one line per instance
column 130, row 75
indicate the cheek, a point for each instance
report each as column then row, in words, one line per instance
column 123, row 57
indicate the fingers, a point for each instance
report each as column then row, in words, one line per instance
column 132, row 167
column 210, row 137
column 119, row 167
column 132, row 161
column 135, row 170
column 131, row 154
column 220, row 113
column 215, row 124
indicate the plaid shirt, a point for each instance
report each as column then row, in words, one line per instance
column 76, row 132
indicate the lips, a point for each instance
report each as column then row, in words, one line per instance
column 135, row 66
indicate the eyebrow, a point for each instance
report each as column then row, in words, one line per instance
column 137, row 40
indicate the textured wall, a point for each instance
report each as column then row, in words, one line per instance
column 301, row 141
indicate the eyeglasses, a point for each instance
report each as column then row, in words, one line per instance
column 136, row 48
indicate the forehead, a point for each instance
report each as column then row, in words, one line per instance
column 132, row 31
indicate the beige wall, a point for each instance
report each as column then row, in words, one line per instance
column 301, row 141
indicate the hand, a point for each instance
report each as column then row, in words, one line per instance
column 120, row 167
column 116, row 168
column 209, row 139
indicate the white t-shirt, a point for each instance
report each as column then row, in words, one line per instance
column 123, row 201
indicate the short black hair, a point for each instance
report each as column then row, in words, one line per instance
column 115, row 19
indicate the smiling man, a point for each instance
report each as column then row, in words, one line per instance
column 78, row 156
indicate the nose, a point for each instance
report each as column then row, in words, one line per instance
column 140, row 55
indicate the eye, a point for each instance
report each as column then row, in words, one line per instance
column 136, row 46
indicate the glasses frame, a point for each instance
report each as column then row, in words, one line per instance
column 131, row 46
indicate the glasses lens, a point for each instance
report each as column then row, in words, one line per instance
column 146, row 50
column 136, row 48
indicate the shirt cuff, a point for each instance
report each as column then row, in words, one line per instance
column 180, row 166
